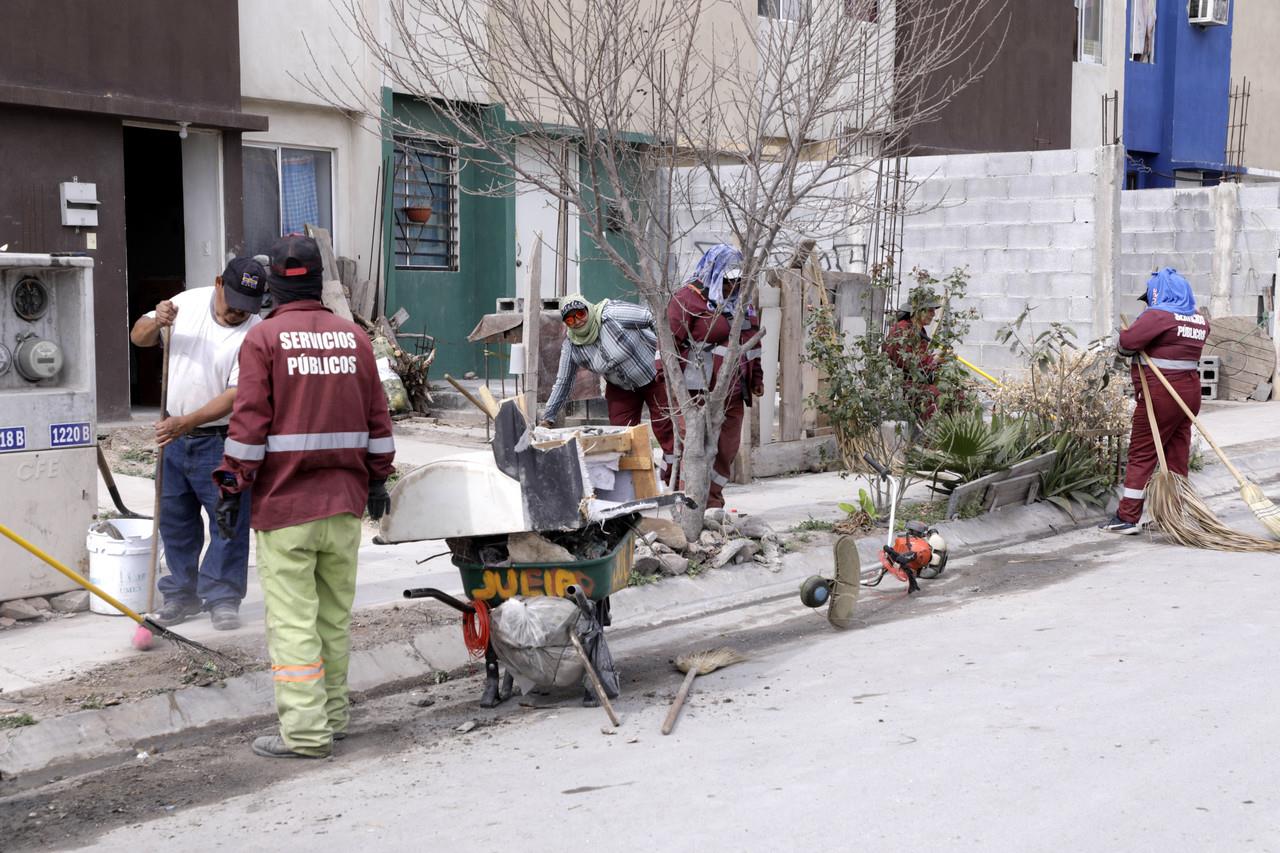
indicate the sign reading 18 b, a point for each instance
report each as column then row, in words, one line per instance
column 12, row 438
column 68, row 435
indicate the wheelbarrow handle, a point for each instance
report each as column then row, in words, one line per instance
column 441, row 596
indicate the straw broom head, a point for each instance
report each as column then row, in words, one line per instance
column 1186, row 519
column 709, row 660
column 1267, row 512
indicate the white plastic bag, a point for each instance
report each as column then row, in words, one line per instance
column 531, row 637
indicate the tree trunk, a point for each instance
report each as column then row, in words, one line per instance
column 695, row 470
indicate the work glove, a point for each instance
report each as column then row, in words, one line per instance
column 227, row 513
column 379, row 500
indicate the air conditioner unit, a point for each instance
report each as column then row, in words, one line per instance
column 1208, row 13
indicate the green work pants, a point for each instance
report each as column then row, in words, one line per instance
column 308, row 576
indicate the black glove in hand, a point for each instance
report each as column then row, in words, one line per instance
column 227, row 514
column 379, row 500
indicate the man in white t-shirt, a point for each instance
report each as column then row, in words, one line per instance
column 207, row 325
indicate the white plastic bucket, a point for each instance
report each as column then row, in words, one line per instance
column 120, row 566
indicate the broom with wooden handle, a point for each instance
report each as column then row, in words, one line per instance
column 1180, row 511
column 1251, row 493
column 695, row 664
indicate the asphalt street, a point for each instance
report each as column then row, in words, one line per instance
column 1088, row 692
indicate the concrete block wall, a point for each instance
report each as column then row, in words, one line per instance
column 1224, row 240
column 1024, row 223
column 1165, row 228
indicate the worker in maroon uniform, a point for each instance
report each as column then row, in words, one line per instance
column 908, row 347
column 1172, row 334
column 701, row 317
column 311, row 436
column 616, row 340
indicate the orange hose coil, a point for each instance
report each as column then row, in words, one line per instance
column 475, row 629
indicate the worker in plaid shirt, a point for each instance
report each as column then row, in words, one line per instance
column 616, row 340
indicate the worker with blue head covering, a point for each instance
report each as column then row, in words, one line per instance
column 1168, row 291
column 700, row 315
column 1170, row 332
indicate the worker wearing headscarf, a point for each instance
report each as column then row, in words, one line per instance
column 1172, row 332
column 909, row 347
column 616, row 340
column 700, row 315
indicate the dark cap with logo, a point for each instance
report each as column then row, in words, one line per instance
column 243, row 283
column 296, row 260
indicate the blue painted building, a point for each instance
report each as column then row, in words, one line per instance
column 1177, row 86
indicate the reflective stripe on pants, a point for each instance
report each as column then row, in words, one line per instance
column 1175, row 434
column 308, row 576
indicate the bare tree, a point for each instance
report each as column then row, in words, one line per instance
column 749, row 120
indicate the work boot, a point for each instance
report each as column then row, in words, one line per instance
column 175, row 612
column 273, row 746
column 1119, row 525
column 225, row 616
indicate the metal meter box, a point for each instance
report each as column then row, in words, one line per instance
column 48, row 462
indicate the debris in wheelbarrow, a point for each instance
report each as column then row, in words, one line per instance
column 517, row 487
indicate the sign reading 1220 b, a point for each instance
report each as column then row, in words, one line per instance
column 69, row 435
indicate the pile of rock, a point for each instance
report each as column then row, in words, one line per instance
column 726, row 538
column 28, row 609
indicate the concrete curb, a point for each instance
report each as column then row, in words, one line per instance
column 90, row 739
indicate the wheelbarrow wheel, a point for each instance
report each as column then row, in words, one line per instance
column 815, row 591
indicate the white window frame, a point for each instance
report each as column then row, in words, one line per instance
column 1081, row 56
column 333, row 181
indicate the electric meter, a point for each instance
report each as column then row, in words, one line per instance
column 38, row 359
column 6, row 359
column 30, row 299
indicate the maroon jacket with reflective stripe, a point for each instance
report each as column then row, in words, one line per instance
column 693, row 321
column 1168, row 336
column 310, row 427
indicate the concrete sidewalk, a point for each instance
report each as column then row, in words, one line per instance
column 33, row 655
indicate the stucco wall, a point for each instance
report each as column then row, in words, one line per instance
column 1253, row 48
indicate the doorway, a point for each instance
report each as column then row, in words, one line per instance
column 155, row 253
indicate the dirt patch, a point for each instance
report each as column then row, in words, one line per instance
column 399, row 622
column 165, row 668
column 131, row 450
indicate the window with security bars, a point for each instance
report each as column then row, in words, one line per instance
column 425, row 204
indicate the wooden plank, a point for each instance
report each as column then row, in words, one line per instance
column 1014, row 490
column 533, row 327
column 770, row 318
column 1035, row 465
column 614, row 442
column 974, row 490
column 331, row 294
column 347, row 273
column 790, row 350
column 362, row 296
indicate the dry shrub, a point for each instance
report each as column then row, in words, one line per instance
column 1076, row 395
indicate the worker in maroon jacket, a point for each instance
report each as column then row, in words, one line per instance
column 1172, row 334
column 701, row 317
column 908, row 347
column 311, row 436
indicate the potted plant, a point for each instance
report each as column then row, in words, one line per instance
column 418, row 213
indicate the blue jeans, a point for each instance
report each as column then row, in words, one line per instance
column 222, row 576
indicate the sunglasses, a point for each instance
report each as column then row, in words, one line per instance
column 576, row 316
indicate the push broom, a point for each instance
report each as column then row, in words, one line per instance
column 1251, row 493
column 145, row 623
column 1181, row 513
